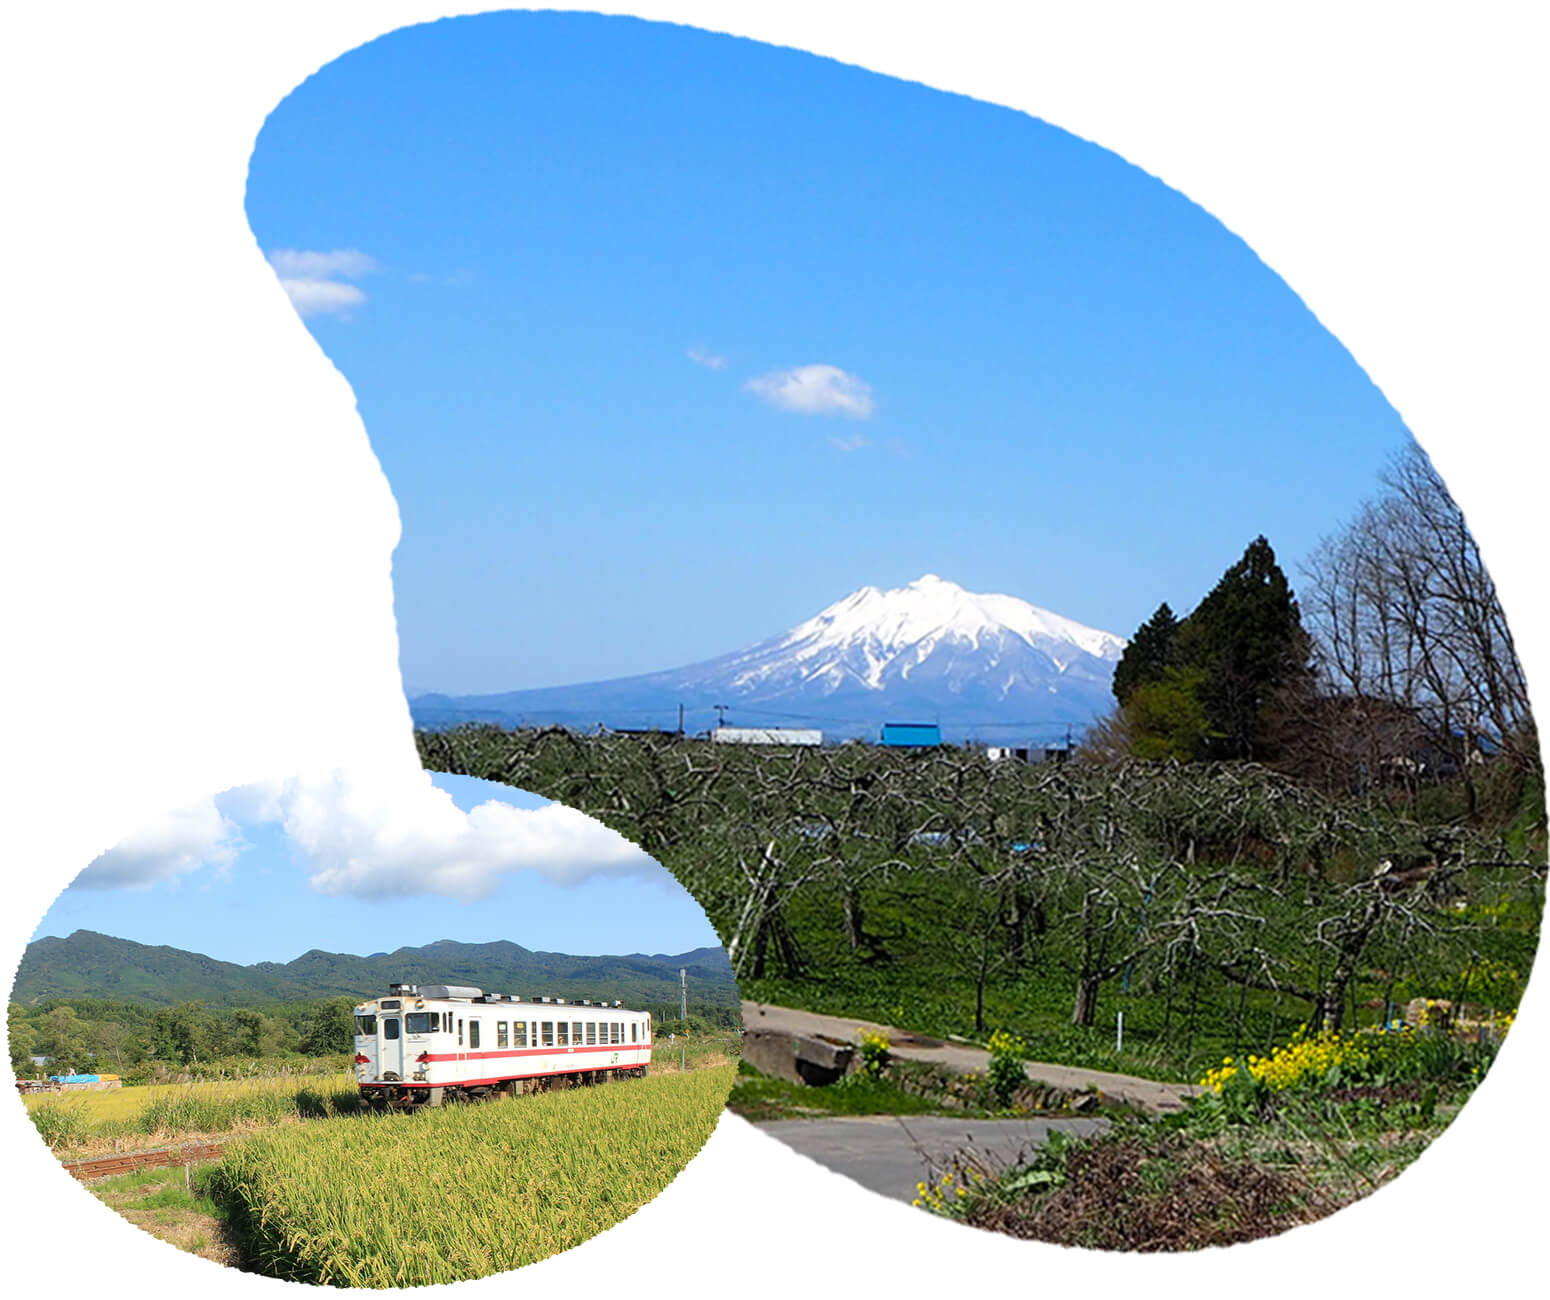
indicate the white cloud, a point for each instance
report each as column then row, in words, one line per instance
column 702, row 356
column 321, row 297
column 305, row 264
column 851, row 442
column 375, row 840
column 171, row 846
column 378, row 843
column 315, row 281
column 815, row 390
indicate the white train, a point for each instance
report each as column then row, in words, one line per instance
column 418, row 1045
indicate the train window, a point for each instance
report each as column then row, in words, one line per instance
column 446, row 1022
column 366, row 1025
column 575, row 1033
column 421, row 1022
column 390, row 1027
column 591, row 1033
column 501, row 1039
column 548, row 1030
column 634, row 1029
column 562, row 1041
column 460, row 1033
column 519, row 1034
column 473, row 1034
column 616, row 1032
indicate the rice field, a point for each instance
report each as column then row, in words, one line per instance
column 78, row 1121
column 463, row 1191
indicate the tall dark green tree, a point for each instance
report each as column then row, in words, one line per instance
column 1248, row 639
column 1149, row 655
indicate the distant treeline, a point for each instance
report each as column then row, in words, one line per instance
column 127, row 1038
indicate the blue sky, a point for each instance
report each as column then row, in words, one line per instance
column 267, row 873
column 574, row 266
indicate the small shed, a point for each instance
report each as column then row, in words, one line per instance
column 911, row 735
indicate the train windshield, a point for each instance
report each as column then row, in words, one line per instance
column 366, row 1025
column 422, row 1022
column 390, row 1027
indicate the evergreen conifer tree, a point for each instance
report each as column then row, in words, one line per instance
column 1148, row 655
column 1247, row 638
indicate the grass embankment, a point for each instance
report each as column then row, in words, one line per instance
column 1269, row 1144
column 463, row 1191
column 174, row 1205
column 78, row 1125
column 759, row 1098
column 695, row 1052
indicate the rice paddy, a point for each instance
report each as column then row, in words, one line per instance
column 77, row 1122
column 463, row 1191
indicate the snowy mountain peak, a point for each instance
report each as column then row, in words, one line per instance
column 872, row 635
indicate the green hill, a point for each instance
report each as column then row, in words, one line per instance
column 94, row 965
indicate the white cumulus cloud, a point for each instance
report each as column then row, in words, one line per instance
column 170, row 846
column 317, row 282
column 702, row 356
column 815, row 390
column 381, row 843
column 370, row 839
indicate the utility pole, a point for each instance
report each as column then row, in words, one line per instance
column 680, row 719
column 683, row 994
column 721, row 714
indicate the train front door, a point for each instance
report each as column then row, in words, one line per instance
column 390, row 1048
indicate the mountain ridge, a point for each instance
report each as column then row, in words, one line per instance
column 987, row 665
column 89, row 964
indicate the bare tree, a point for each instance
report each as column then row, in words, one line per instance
column 1409, row 631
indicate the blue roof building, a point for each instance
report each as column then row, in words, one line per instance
column 911, row 735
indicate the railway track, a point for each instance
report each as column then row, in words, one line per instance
column 128, row 1161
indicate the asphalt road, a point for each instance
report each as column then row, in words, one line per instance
column 891, row 1154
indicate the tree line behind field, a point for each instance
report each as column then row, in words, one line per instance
column 137, row 1041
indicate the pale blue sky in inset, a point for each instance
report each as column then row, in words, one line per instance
column 261, row 908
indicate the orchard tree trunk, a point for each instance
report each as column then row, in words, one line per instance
column 1086, row 1009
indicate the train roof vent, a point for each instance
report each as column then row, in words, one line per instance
column 400, row 990
column 461, row 991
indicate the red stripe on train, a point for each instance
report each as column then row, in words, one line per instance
column 531, row 1051
column 503, row 1078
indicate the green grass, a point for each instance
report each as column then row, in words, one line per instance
column 167, row 1188
column 759, row 1098
column 174, row 1204
column 463, row 1191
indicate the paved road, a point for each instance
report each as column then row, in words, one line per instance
column 1145, row 1094
column 889, row 1155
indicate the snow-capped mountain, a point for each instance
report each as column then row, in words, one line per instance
column 986, row 665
